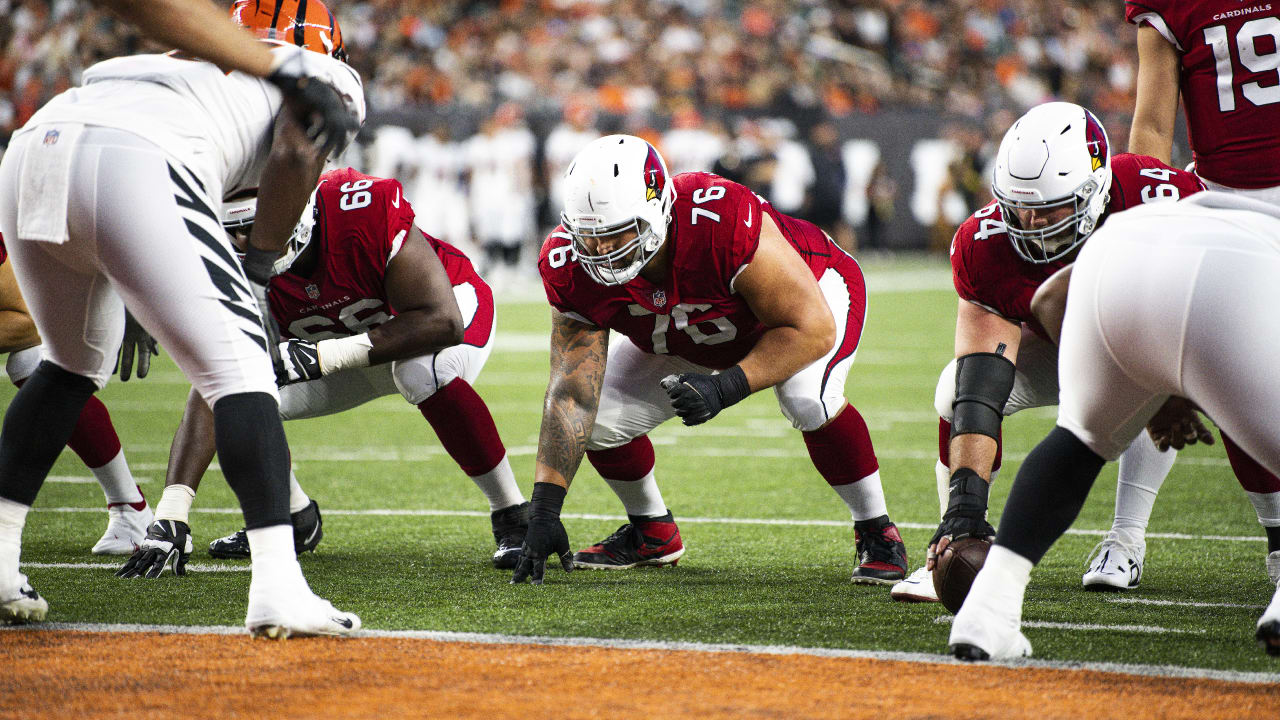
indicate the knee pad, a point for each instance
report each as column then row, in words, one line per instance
column 805, row 413
column 419, row 378
column 22, row 363
column 945, row 392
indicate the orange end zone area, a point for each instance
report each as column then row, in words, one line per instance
column 82, row 674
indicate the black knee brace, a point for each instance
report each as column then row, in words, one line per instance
column 983, row 384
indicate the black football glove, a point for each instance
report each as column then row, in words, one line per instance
column 966, row 514
column 257, row 268
column 167, row 544
column 697, row 398
column 317, row 106
column 300, row 361
column 137, row 343
column 546, row 535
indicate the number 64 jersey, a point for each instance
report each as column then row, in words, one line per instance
column 696, row 314
column 989, row 273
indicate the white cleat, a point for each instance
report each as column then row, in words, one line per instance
column 281, row 615
column 126, row 528
column 26, row 606
column 917, row 588
column 1268, row 633
column 982, row 632
column 1273, row 566
column 1116, row 563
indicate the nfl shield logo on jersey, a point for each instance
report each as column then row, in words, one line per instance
column 659, row 298
column 51, row 137
column 313, row 291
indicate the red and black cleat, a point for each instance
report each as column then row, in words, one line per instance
column 882, row 556
column 641, row 542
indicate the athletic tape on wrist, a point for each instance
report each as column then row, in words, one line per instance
column 341, row 353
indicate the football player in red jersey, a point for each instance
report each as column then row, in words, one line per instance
column 714, row 295
column 1055, row 183
column 94, row 438
column 369, row 306
column 1221, row 56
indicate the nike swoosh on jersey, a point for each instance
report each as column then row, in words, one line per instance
column 396, row 201
column 747, row 222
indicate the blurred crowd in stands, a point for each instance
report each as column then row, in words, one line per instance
column 479, row 105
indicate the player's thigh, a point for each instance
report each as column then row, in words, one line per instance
column 812, row 397
column 418, row 378
column 336, row 393
column 161, row 243
column 632, row 401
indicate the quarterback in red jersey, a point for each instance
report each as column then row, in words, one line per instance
column 1222, row 56
column 714, row 295
column 1055, row 183
column 368, row 306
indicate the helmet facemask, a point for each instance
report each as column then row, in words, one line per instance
column 237, row 220
column 1059, row 237
column 622, row 264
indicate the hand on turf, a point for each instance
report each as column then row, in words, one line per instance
column 1177, row 424
column 966, row 514
column 546, row 535
column 168, row 544
column 137, row 343
column 300, row 362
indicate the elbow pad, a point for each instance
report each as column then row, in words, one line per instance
column 983, row 384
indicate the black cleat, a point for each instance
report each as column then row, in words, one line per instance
column 1268, row 636
column 882, row 556
column 969, row 653
column 509, row 526
column 643, row 542
column 307, row 531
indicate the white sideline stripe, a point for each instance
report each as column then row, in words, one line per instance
column 384, row 512
column 1182, row 603
column 87, row 479
column 1161, row 671
column 192, row 567
column 1085, row 627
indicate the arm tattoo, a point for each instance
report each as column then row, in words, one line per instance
column 578, row 355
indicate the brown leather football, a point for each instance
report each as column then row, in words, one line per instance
column 956, row 568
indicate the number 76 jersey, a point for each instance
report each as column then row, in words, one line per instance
column 696, row 314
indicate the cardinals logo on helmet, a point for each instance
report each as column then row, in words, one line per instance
column 655, row 178
column 1095, row 139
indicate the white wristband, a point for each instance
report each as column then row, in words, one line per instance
column 342, row 353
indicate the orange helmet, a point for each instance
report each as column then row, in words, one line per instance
column 305, row 23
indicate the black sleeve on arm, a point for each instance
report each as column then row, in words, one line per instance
column 983, row 383
column 1047, row 495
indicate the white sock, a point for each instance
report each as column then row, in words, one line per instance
column 1003, row 580
column 499, row 486
column 640, row 497
column 942, row 474
column 13, row 517
column 175, row 503
column 1143, row 469
column 117, row 482
column 1267, row 505
column 298, row 499
column 272, row 556
column 865, row 498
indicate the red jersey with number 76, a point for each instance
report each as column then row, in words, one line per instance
column 988, row 272
column 696, row 315
column 1229, row 76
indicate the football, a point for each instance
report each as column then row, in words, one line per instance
column 957, row 567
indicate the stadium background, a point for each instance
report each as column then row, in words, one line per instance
column 875, row 119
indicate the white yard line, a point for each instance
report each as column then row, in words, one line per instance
column 787, row 522
column 1086, row 627
column 194, row 567
column 1164, row 671
column 1181, row 603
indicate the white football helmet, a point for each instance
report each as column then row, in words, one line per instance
column 615, row 184
column 239, row 211
column 1053, row 180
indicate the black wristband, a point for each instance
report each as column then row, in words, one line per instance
column 733, row 386
column 258, row 264
column 548, row 498
column 967, row 482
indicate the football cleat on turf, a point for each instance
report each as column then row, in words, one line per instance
column 1116, row 563
column 882, row 556
column 1268, row 633
column 127, row 525
column 24, row 606
column 167, row 545
column 917, row 588
column 509, row 526
column 641, row 542
column 307, row 531
column 1273, row 566
column 277, row 613
column 986, row 630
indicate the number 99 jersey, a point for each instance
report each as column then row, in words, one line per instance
column 1229, row 76
column 696, row 315
column 986, row 269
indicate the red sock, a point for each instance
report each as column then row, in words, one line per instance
column 944, row 445
column 94, row 438
column 1253, row 477
column 842, row 451
column 626, row 463
column 465, row 427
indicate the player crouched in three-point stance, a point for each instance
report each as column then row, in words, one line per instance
column 714, row 295
column 1055, row 182
column 94, row 438
column 1167, row 301
column 112, row 191
column 369, row 307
